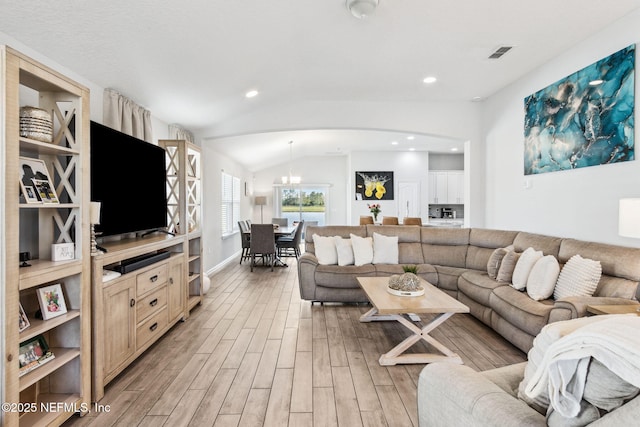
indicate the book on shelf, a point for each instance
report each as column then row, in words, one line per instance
column 33, row 354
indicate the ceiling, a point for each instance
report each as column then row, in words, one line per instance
column 192, row 62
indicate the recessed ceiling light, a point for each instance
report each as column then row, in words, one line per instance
column 411, row 137
column 429, row 80
column 412, row 149
column 251, row 93
column 596, row 82
column 454, row 149
column 476, row 99
column 394, row 142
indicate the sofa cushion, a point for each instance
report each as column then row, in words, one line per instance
column 344, row 247
column 362, row 250
column 520, row 310
column 448, row 277
column 508, row 264
column 525, row 263
column 579, row 277
column 337, row 276
column 493, row 265
column 385, row 249
column 549, row 245
column 444, row 246
column 326, row 251
column 478, row 286
column 542, row 278
column 343, row 231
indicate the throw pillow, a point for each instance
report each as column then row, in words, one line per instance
column 606, row 390
column 505, row 273
column 493, row 265
column 325, row 247
column 385, row 249
column 543, row 277
column 345, row 252
column 523, row 267
column 579, row 277
column 362, row 249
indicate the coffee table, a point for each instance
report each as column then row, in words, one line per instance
column 391, row 307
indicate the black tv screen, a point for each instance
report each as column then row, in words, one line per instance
column 128, row 177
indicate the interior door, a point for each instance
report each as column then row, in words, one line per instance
column 408, row 199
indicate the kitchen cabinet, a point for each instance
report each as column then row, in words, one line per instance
column 446, row 187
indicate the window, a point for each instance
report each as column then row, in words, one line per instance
column 306, row 203
column 230, row 203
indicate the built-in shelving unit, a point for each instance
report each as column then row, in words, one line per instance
column 65, row 380
column 184, row 207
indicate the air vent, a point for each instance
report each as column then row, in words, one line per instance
column 500, row 51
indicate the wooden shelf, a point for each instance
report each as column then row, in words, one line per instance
column 193, row 301
column 31, row 146
column 194, row 258
column 62, row 357
column 193, row 277
column 48, row 418
column 44, row 271
column 49, row 205
column 39, row 326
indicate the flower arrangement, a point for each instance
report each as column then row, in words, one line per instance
column 375, row 210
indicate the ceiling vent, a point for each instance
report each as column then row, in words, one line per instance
column 500, row 51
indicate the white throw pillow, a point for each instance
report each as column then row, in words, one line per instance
column 362, row 249
column 543, row 277
column 345, row 252
column 525, row 263
column 579, row 277
column 385, row 249
column 325, row 247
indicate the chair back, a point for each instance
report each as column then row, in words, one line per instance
column 298, row 235
column 408, row 220
column 366, row 219
column 283, row 222
column 389, row 220
column 245, row 236
column 263, row 239
column 244, row 228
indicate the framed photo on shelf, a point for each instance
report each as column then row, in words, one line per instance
column 52, row 301
column 29, row 193
column 34, row 353
column 23, row 320
column 34, row 173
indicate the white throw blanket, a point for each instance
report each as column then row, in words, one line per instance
column 614, row 341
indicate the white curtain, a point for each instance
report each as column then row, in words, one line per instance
column 178, row 132
column 122, row 114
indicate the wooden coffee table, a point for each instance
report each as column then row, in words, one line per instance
column 391, row 307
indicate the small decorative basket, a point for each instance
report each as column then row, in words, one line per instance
column 36, row 123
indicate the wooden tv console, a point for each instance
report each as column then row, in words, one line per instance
column 132, row 311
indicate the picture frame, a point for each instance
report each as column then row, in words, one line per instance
column 23, row 320
column 375, row 185
column 29, row 193
column 33, row 353
column 52, row 303
column 34, row 173
column 63, row 251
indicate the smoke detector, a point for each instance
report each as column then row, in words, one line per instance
column 362, row 8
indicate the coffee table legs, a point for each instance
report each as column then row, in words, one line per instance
column 396, row 356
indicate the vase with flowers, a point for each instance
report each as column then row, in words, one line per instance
column 375, row 210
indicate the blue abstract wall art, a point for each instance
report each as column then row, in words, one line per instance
column 585, row 119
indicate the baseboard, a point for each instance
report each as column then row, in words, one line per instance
column 233, row 258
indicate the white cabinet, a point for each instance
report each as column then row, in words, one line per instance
column 446, row 187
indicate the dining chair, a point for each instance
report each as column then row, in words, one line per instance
column 263, row 244
column 245, row 236
column 283, row 222
column 290, row 245
column 366, row 219
column 409, row 220
column 389, row 220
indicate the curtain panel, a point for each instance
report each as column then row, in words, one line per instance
column 178, row 132
column 122, row 114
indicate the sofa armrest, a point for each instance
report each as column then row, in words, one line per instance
column 573, row 307
column 307, row 264
column 456, row 395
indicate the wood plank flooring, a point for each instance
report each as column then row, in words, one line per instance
column 255, row 354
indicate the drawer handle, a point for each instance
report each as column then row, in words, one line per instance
column 153, row 302
column 132, row 302
column 171, row 280
column 153, row 327
column 154, row 278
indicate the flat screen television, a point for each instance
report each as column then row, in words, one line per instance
column 128, row 177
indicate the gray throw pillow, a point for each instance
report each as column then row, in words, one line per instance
column 493, row 265
column 508, row 264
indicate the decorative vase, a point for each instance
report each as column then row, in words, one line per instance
column 375, row 217
column 394, row 281
column 410, row 282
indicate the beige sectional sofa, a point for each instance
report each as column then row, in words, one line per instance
column 455, row 260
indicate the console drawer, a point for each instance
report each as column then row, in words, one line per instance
column 150, row 279
column 151, row 328
column 151, row 303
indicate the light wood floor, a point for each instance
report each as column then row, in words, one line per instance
column 255, row 354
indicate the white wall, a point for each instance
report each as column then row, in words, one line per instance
column 580, row 203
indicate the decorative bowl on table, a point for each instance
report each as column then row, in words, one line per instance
column 405, row 285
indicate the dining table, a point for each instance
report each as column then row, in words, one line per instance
column 281, row 231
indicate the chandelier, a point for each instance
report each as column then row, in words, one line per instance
column 291, row 179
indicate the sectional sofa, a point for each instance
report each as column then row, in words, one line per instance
column 455, row 260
